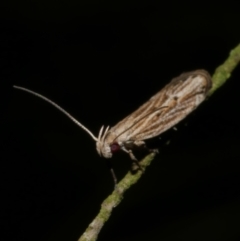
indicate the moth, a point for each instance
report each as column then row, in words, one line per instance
column 161, row 112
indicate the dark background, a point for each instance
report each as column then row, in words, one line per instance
column 100, row 61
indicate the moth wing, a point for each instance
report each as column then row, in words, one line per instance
column 166, row 108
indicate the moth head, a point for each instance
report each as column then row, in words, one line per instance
column 103, row 148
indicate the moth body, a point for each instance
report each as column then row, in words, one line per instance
column 161, row 112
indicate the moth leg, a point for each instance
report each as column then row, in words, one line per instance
column 153, row 150
column 114, row 177
column 139, row 143
column 130, row 153
column 134, row 159
column 109, row 164
column 143, row 144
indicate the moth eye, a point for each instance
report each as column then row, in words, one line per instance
column 175, row 98
column 114, row 147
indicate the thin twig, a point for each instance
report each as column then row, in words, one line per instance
column 222, row 73
column 113, row 200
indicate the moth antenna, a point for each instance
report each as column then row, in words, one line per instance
column 59, row 108
column 100, row 133
column 106, row 130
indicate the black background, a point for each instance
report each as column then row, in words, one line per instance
column 100, row 61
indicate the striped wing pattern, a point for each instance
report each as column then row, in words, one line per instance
column 166, row 108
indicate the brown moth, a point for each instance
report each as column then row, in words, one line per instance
column 161, row 112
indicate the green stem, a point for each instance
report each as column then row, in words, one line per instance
column 223, row 72
column 113, row 200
